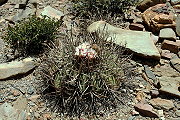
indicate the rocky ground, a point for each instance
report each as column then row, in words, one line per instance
column 152, row 34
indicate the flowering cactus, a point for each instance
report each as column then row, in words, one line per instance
column 85, row 50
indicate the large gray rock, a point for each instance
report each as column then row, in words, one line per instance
column 137, row 41
column 24, row 14
column 3, row 2
column 21, row 103
column 170, row 85
column 15, row 68
column 52, row 13
column 167, row 33
column 8, row 112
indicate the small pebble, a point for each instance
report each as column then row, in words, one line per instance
column 36, row 115
column 160, row 113
column 2, row 99
column 15, row 92
column 154, row 93
column 31, row 103
column 31, row 90
column 123, row 90
column 132, row 118
column 177, row 113
column 11, row 97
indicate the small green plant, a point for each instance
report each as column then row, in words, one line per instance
column 82, row 83
column 28, row 36
column 87, row 8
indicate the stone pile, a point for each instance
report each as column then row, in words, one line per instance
column 162, row 19
column 163, row 44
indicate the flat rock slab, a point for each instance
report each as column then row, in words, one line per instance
column 146, row 110
column 176, row 64
column 162, row 103
column 16, row 68
column 166, row 54
column 52, row 13
column 137, row 41
column 166, row 70
column 170, row 85
column 171, row 46
column 136, row 26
